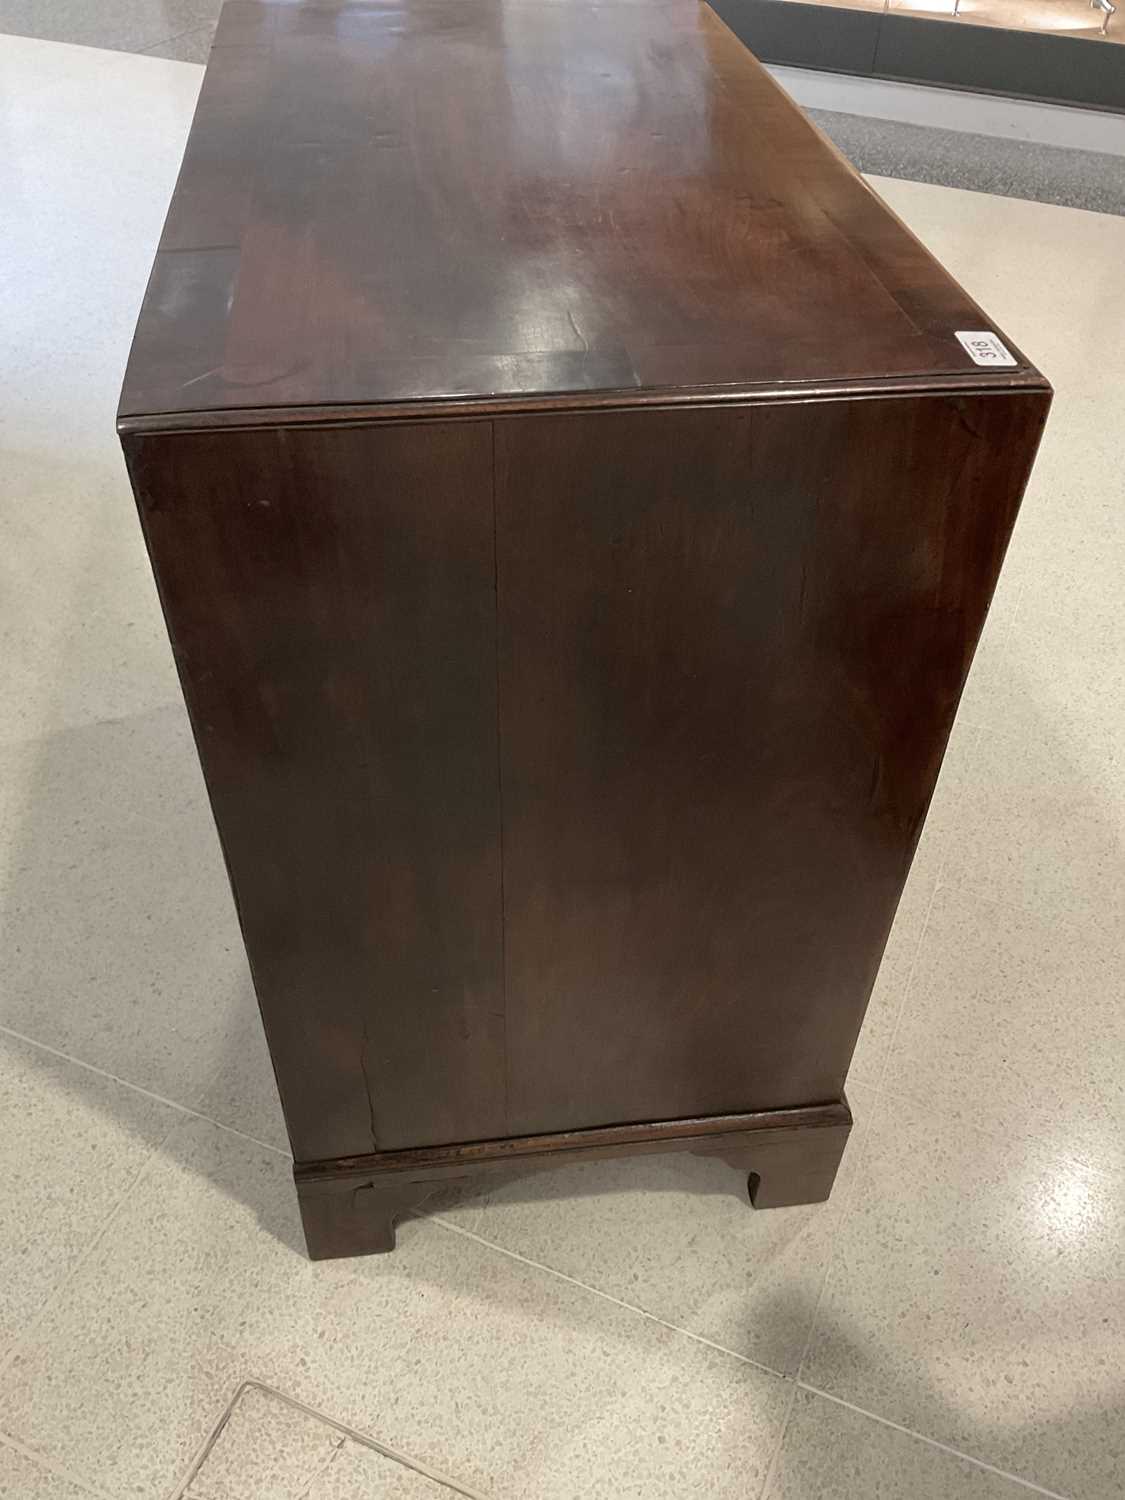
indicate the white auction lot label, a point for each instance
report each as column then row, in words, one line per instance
column 985, row 349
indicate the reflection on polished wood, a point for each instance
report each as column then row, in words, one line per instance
column 574, row 516
column 390, row 203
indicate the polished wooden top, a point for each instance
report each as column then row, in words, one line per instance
column 497, row 201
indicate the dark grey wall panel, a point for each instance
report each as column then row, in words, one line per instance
column 1030, row 64
column 949, row 53
column 805, row 36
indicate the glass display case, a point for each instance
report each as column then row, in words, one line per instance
column 1094, row 20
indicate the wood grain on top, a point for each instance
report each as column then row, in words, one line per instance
column 407, row 201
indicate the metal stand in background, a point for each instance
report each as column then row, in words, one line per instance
column 1107, row 8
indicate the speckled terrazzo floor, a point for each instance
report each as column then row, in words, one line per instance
column 267, row 1445
column 951, row 1325
column 965, row 159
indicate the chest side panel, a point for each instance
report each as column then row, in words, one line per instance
column 331, row 602
column 731, row 648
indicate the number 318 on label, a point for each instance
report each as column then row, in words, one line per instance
column 985, row 349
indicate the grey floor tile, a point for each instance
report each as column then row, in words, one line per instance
column 23, row 1479
column 189, row 46
column 1046, row 275
column 84, row 193
column 269, row 1449
column 121, row 943
column 124, row 25
column 1073, row 515
column 977, row 706
column 243, row 1094
column 989, row 1032
column 1051, row 685
column 675, row 1236
column 976, row 1298
column 1057, row 692
column 891, row 984
column 515, row 1381
column 1034, row 818
column 357, row 1473
column 833, row 1453
column 71, row 1145
column 81, row 637
column 1060, row 675
column 983, row 163
column 893, row 980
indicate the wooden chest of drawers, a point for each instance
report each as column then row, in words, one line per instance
column 574, row 510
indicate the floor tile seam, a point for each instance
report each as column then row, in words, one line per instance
column 1003, row 632
column 111, row 721
column 50, row 1466
column 961, row 886
column 851, row 1204
column 1014, row 612
column 137, row 1088
column 979, row 1463
column 1002, row 1136
column 167, row 40
column 122, row 47
column 676, row 1328
column 198, row 1112
column 322, row 1469
column 55, row 1295
column 908, row 985
column 1095, row 782
column 779, row 1443
column 181, row 1486
column 365, row 1440
column 631, row 1307
column 135, row 825
column 187, row 1486
column 121, row 44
